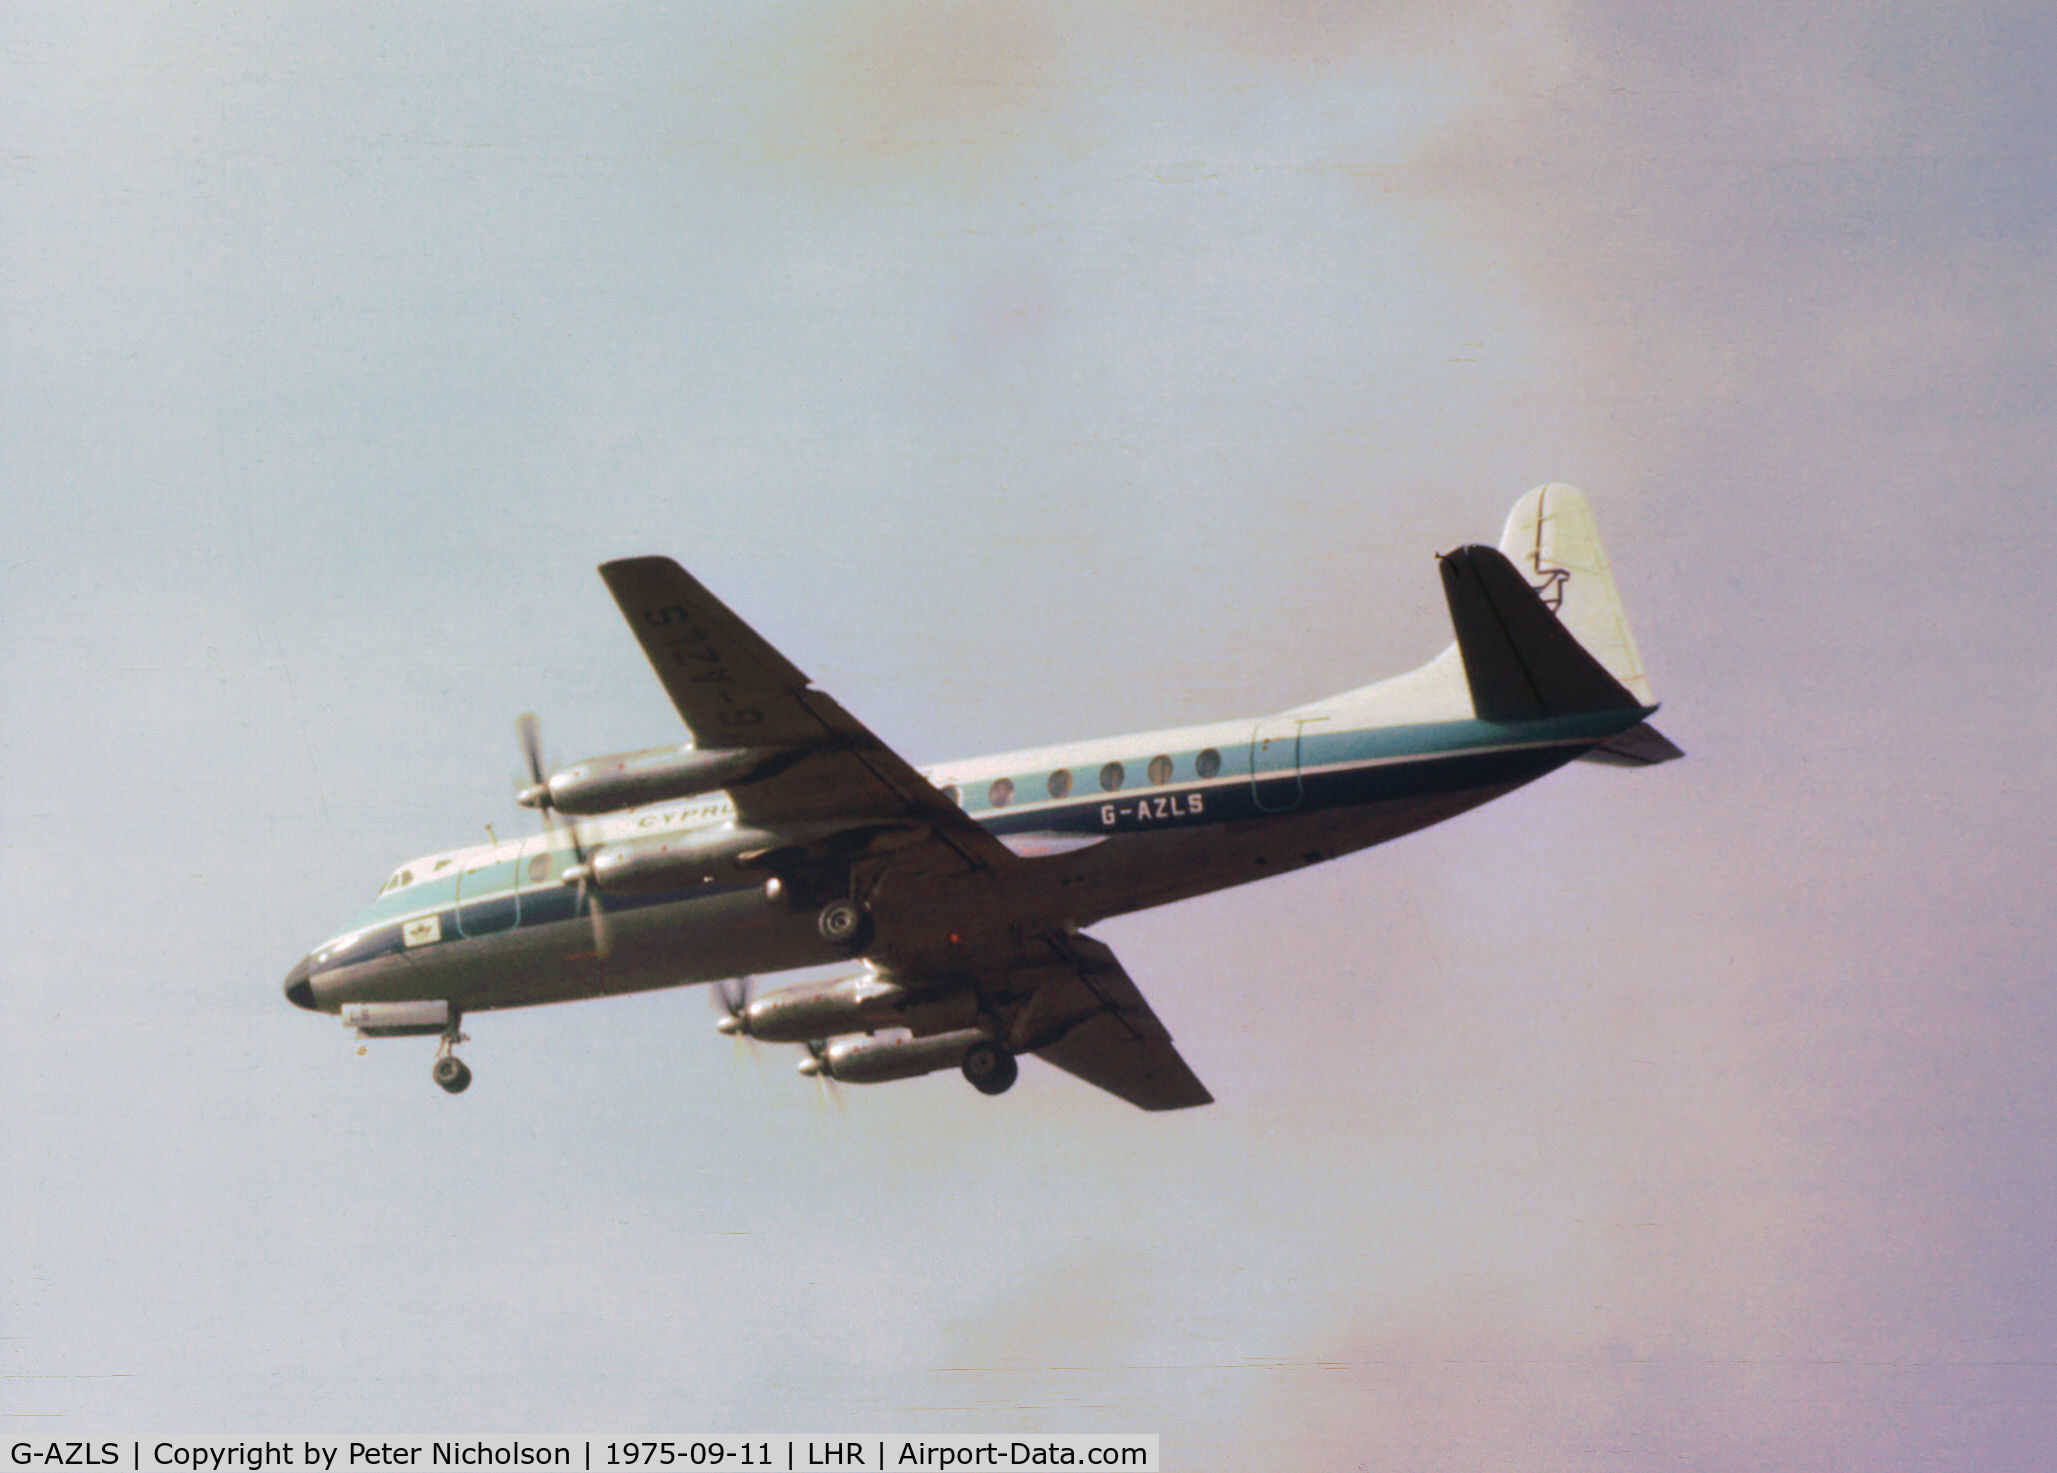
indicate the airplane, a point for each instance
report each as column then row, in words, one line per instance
column 783, row 835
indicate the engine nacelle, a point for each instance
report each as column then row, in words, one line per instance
column 396, row 1019
column 629, row 779
column 675, row 861
column 822, row 1010
column 870, row 1060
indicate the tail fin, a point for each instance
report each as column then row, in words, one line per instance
column 1551, row 538
column 1539, row 631
column 1519, row 660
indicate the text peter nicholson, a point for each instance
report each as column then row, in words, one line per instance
column 873, row 1454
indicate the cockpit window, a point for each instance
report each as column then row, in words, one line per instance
column 400, row 880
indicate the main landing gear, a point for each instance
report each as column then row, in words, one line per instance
column 844, row 924
column 842, row 921
column 450, row 1071
column 991, row 1069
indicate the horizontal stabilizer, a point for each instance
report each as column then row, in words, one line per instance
column 1639, row 746
column 1519, row 661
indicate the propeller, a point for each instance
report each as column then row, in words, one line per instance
column 537, row 796
column 732, row 997
column 537, row 793
column 589, row 893
column 817, row 1064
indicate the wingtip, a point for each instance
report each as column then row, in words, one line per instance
column 626, row 564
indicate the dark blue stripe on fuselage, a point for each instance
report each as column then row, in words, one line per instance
column 1192, row 804
column 1446, row 758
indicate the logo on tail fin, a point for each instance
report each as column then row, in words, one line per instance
column 1551, row 589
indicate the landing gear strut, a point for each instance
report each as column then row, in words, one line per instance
column 991, row 1069
column 450, row 1071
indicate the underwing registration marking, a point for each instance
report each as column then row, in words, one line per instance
column 693, row 645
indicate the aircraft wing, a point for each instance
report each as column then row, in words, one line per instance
column 734, row 690
column 1089, row 1019
column 1068, row 999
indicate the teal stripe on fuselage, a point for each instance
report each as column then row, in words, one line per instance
column 1320, row 746
column 421, row 896
column 1323, row 752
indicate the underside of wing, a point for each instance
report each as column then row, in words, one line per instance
column 1089, row 1019
column 1052, row 993
column 735, row 691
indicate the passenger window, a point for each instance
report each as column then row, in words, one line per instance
column 1001, row 793
column 950, row 792
column 539, row 868
column 1160, row 770
column 1207, row 763
column 1060, row 782
column 1111, row 776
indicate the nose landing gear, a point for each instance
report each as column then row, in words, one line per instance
column 449, row 1071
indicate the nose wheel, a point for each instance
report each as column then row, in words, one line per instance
column 449, row 1071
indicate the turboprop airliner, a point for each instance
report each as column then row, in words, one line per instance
column 783, row 835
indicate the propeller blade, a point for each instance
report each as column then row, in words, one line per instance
column 731, row 996
column 603, row 933
column 588, row 892
column 528, row 732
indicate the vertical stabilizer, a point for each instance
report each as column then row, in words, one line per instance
column 1551, row 539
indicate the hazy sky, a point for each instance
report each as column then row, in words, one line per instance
column 1028, row 372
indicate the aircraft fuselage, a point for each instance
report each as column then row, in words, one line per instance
column 1108, row 827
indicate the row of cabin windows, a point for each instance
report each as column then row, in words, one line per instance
column 538, row 871
column 1206, row 764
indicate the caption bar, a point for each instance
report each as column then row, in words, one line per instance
column 783, row 1453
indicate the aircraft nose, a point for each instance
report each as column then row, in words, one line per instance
column 299, row 991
